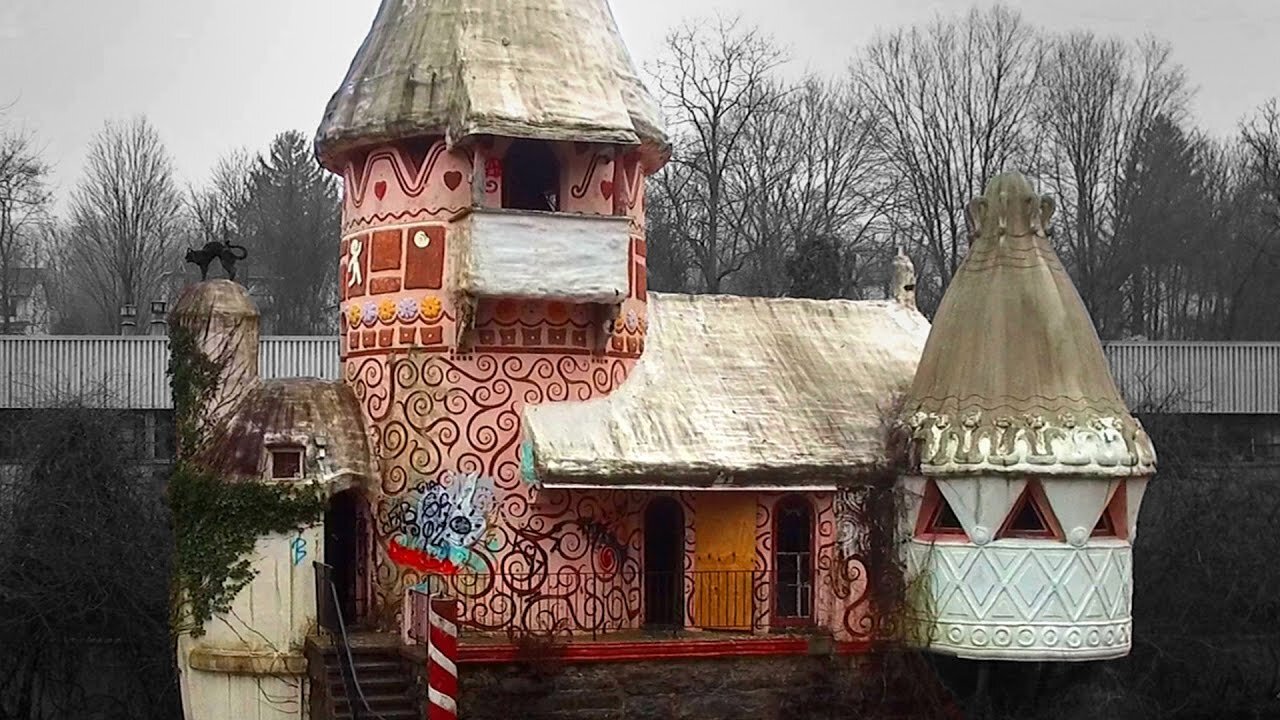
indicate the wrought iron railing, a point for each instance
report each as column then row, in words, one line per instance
column 585, row 603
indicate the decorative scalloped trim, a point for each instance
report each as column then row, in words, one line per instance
column 1064, row 445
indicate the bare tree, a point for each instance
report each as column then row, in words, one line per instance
column 954, row 100
column 1261, row 137
column 24, row 199
column 1100, row 101
column 757, row 186
column 714, row 78
column 216, row 209
column 84, row 572
column 126, row 223
column 839, row 193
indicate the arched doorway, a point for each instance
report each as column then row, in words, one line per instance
column 664, row 564
column 346, row 544
column 531, row 177
column 793, row 560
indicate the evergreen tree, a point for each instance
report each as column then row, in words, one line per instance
column 289, row 222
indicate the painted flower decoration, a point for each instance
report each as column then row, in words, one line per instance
column 407, row 309
column 430, row 307
column 633, row 320
column 557, row 312
column 386, row 310
column 353, row 314
column 506, row 311
column 370, row 313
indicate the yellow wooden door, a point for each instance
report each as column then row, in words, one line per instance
column 725, row 532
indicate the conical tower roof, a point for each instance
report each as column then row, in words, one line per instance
column 1013, row 377
column 542, row 69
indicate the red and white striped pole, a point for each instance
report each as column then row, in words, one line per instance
column 442, row 660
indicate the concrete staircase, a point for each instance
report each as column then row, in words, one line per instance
column 388, row 681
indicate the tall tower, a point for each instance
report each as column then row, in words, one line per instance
column 492, row 256
column 1028, row 468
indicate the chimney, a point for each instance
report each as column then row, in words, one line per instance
column 158, row 325
column 904, row 280
column 128, row 319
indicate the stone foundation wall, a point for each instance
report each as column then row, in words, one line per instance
column 737, row 688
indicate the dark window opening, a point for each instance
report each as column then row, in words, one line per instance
column 664, row 564
column 793, row 558
column 286, row 463
column 940, row 518
column 531, row 177
column 1113, row 519
column 1029, row 518
column 944, row 518
column 1105, row 527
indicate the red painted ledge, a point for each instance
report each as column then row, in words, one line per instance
column 607, row 651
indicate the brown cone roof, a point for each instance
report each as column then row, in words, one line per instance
column 543, row 69
column 1013, row 377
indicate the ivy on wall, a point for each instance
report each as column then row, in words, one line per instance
column 216, row 520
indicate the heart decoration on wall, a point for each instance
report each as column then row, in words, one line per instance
column 380, row 188
column 452, row 179
column 606, row 189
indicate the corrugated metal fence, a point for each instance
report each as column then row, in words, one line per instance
column 129, row 372
column 1198, row 377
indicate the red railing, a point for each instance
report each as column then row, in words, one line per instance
column 583, row 603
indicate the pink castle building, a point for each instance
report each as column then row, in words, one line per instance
column 524, row 431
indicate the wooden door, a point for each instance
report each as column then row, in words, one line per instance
column 725, row 532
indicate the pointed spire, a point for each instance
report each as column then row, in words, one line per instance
column 1013, row 378
column 542, row 69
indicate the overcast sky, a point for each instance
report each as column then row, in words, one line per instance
column 217, row 74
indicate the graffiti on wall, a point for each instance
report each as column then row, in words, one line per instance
column 298, row 549
column 439, row 527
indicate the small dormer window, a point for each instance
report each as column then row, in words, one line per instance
column 286, row 462
column 531, row 177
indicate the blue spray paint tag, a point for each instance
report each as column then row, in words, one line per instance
column 299, row 548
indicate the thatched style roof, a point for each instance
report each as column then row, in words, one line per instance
column 305, row 413
column 1013, row 378
column 737, row 391
column 542, row 69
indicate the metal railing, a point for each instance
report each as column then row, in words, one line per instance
column 329, row 617
column 585, row 603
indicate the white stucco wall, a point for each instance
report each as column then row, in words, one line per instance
column 249, row 664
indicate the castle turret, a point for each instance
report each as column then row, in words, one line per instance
column 224, row 322
column 493, row 157
column 1027, row 465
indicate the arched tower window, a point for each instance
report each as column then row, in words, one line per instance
column 531, row 177
column 793, row 559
